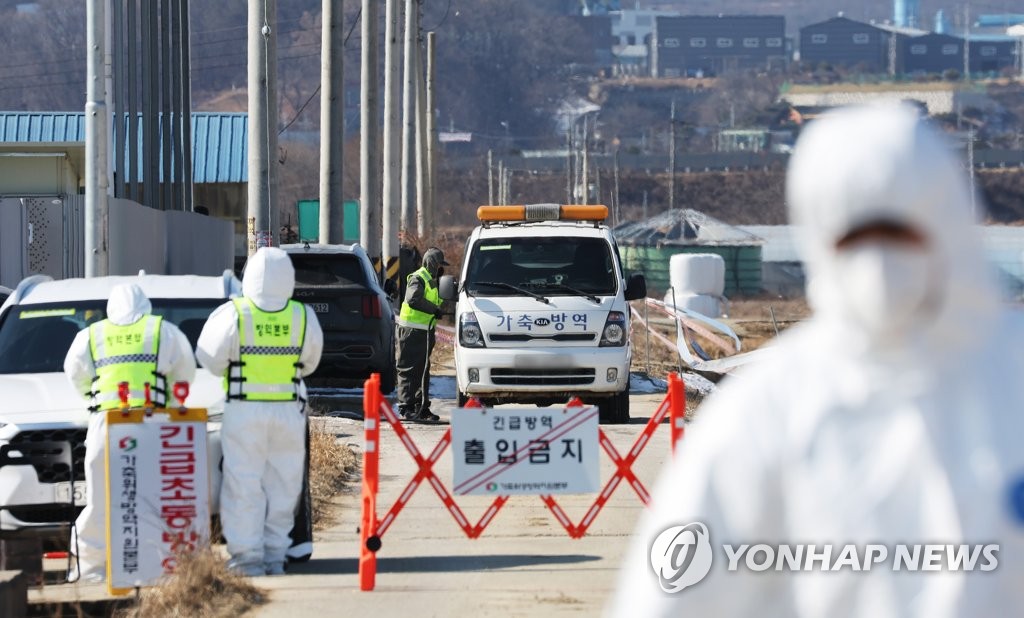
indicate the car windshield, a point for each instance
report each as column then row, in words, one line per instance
column 328, row 269
column 36, row 338
column 545, row 265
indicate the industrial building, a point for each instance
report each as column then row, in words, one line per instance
column 710, row 45
column 841, row 41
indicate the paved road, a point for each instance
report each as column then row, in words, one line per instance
column 524, row 564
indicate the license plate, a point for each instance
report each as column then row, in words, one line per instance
column 319, row 307
column 62, row 492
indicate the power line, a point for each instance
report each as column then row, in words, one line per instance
column 355, row 21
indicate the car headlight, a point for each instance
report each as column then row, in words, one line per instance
column 614, row 333
column 470, row 335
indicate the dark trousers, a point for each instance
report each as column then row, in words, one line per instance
column 414, row 349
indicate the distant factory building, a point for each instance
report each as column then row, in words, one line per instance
column 689, row 46
column 844, row 42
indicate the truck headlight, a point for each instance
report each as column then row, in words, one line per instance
column 614, row 333
column 470, row 335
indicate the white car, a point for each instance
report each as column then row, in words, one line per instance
column 37, row 325
column 542, row 309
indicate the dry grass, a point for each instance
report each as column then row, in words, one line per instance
column 203, row 586
column 331, row 465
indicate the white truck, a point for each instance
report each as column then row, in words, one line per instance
column 542, row 311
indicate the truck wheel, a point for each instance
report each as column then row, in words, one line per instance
column 614, row 410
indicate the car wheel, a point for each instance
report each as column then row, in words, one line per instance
column 614, row 410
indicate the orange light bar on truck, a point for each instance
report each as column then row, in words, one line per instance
column 542, row 212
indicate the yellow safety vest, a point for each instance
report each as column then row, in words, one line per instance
column 270, row 344
column 414, row 318
column 126, row 354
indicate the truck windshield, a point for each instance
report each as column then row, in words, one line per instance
column 546, row 265
column 36, row 338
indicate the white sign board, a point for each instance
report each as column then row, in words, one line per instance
column 158, row 496
column 525, row 451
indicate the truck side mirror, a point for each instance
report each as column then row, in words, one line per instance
column 636, row 287
column 447, row 289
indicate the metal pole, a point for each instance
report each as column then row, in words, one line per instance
column 175, row 73
column 568, row 165
column 967, row 42
column 490, row 177
column 501, row 182
column 369, row 138
column 132, row 166
column 408, row 190
column 421, row 132
column 262, row 136
column 617, row 217
column 116, row 93
column 95, row 144
column 148, row 72
column 672, row 158
column 586, row 160
column 332, row 122
column 431, row 130
column 186, row 104
column 392, row 147
column 167, row 195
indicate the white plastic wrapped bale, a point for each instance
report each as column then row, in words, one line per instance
column 697, row 273
column 704, row 304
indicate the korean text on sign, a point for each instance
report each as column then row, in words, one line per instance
column 523, row 451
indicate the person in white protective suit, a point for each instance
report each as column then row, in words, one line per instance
column 893, row 416
column 263, row 344
column 133, row 346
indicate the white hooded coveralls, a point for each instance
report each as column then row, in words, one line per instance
column 839, row 436
column 263, row 442
column 127, row 305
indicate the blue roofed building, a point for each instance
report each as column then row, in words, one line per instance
column 42, row 155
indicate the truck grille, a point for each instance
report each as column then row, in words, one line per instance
column 542, row 377
column 56, row 473
column 558, row 337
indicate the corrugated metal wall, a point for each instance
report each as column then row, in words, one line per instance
column 716, row 44
column 742, row 266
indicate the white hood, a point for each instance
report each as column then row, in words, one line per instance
column 127, row 304
column 863, row 164
column 269, row 279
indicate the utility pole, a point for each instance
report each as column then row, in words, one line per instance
column 262, row 43
column 369, row 155
column 616, row 217
column 490, row 177
column 568, row 165
column 332, row 122
column 431, row 130
column 892, row 54
column 672, row 158
column 420, row 159
column 586, row 161
column 501, row 183
column 392, row 147
column 186, row 104
column 408, row 190
column 970, row 168
column 967, row 42
column 96, row 262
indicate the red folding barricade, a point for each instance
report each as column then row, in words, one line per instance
column 372, row 529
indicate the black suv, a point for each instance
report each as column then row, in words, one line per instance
column 356, row 315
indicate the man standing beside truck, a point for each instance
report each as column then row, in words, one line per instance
column 416, row 321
